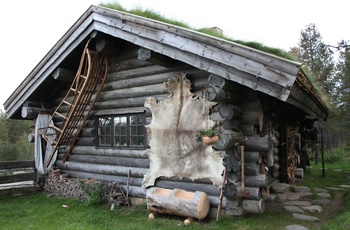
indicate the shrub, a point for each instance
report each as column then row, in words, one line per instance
column 92, row 193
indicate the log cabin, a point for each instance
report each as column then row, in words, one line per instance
column 121, row 98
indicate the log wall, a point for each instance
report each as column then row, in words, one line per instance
column 129, row 82
column 241, row 112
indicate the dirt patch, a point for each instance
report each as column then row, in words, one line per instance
column 333, row 207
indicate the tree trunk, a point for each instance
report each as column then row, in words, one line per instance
column 178, row 202
column 254, row 206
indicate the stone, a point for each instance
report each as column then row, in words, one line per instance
column 313, row 208
column 280, row 198
column 302, row 189
column 345, row 186
column 272, row 197
column 321, row 201
column 304, row 217
column 279, row 187
column 297, row 203
column 292, row 196
column 324, row 195
column 320, row 190
column 336, row 189
column 305, row 194
column 296, row 227
column 294, row 209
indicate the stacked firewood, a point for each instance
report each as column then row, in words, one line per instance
column 61, row 185
column 292, row 154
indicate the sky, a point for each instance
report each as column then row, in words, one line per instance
column 30, row 28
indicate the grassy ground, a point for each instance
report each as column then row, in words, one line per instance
column 40, row 212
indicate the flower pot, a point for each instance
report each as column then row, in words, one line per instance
column 210, row 140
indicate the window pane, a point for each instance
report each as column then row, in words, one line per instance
column 124, row 131
column 137, row 140
column 104, row 130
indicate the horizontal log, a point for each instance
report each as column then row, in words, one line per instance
column 126, row 65
column 217, row 94
column 98, row 159
column 5, row 193
column 126, row 102
column 254, row 206
column 122, row 180
column 229, row 111
column 153, row 57
column 134, row 77
column 249, row 129
column 32, row 112
column 16, row 164
column 192, row 187
column 251, row 169
column 88, row 132
column 178, row 202
column 86, row 150
column 135, row 189
column 87, row 141
column 254, row 193
column 140, row 91
column 218, row 81
column 27, row 176
column 255, row 157
column 257, row 143
column 260, row 180
column 63, row 75
column 105, row 112
column 228, row 139
column 102, row 168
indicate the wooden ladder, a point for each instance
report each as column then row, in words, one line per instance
column 80, row 99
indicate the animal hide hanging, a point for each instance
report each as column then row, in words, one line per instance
column 171, row 135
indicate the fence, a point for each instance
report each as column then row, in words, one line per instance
column 17, row 178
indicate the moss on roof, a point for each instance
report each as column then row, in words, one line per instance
column 156, row 16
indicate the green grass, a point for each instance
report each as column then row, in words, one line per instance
column 40, row 212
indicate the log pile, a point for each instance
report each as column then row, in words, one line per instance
column 292, row 154
column 61, row 185
column 243, row 193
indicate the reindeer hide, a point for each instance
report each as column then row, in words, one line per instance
column 171, row 135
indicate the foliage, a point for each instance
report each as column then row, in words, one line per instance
column 210, row 133
column 316, row 56
column 14, row 144
column 92, row 193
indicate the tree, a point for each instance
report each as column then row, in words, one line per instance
column 14, row 144
column 317, row 57
column 342, row 91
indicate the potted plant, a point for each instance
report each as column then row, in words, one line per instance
column 207, row 137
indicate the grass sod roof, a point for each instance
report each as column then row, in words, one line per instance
column 147, row 13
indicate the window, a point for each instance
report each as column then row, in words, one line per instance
column 122, row 131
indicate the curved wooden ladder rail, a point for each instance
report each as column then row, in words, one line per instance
column 88, row 82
